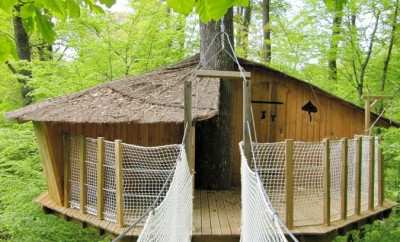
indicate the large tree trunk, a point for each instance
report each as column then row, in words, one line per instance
column 24, row 53
column 266, row 7
column 213, row 166
column 334, row 45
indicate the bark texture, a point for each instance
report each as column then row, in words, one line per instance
column 266, row 8
column 213, row 155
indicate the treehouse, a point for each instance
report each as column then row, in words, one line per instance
column 99, row 171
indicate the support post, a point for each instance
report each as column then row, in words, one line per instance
column 289, row 183
column 119, row 183
column 357, row 177
column 67, row 167
column 344, row 179
column 380, row 173
column 246, row 118
column 100, row 178
column 367, row 110
column 188, row 120
column 82, row 174
column 371, row 172
column 327, row 183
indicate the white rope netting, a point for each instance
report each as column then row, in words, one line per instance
column 74, row 173
column 336, row 177
column 91, row 176
column 145, row 171
column 259, row 221
column 171, row 220
column 308, row 183
column 110, row 204
column 364, row 173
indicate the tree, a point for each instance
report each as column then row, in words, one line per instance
column 214, row 166
column 243, row 19
column 266, row 8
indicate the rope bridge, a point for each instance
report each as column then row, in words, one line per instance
column 148, row 186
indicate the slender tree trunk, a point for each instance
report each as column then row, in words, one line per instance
column 389, row 53
column 244, row 15
column 266, row 7
column 334, row 44
column 213, row 166
column 24, row 53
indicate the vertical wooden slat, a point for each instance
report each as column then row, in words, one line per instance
column 344, row 179
column 246, row 118
column 82, row 171
column 357, row 177
column 380, row 173
column 119, row 183
column 100, row 178
column 327, row 183
column 67, row 167
column 289, row 183
column 189, row 139
column 371, row 173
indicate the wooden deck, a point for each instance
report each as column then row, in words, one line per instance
column 216, row 218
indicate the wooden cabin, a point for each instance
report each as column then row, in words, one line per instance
column 148, row 110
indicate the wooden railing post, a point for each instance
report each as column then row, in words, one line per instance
column 380, row 177
column 289, row 175
column 371, row 172
column 82, row 174
column 247, row 118
column 327, row 183
column 189, row 141
column 357, row 177
column 344, row 179
column 119, row 183
column 67, row 169
column 100, row 178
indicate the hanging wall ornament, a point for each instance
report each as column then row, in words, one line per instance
column 310, row 108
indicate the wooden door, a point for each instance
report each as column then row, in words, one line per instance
column 262, row 111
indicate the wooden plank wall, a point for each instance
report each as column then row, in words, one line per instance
column 334, row 119
column 132, row 133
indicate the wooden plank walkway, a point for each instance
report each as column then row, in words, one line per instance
column 216, row 217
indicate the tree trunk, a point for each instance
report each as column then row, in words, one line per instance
column 24, row 53
column 242, row 37
column 389, row 52
column 266, row 7
column 334, row 44
column 213, row 166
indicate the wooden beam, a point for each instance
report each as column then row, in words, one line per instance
column 367, row 116
column 100, row 178
column 222, row 74
column 344, row 179
column 119, row 183
column 82, row 174
column 67, row 169
column 289, row 175
column 375, row 97
column 189, row 138
column 327, row 183
column 380, row 173
column 247, row 118
column 357, row 176
column 371, row 173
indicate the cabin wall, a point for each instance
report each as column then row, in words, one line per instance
column 50, row 138
column 274, row 122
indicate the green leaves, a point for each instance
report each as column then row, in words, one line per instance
column 7, row 5
column 73, row 8
column 44, row 26
column 206, row 9
column 108, row 3
column 7, row 47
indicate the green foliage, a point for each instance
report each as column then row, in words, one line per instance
column 206, row 9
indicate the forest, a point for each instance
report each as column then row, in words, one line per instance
column 50, row 48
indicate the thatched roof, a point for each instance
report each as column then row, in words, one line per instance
column 153, row 97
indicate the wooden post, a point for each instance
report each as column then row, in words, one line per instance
column 247, row 118
column 100, row 178
column 67, row 171
column 188, row 120
column 367, row 111
column 327, row 183
column 119, row 183
column 344, row 179
column 289, row 183
column 357, row 177
column 371, row 173
column 82, row 174
column 380, row 172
